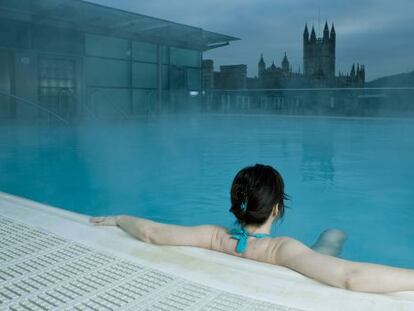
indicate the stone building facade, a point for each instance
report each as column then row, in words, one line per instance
column 319, row 69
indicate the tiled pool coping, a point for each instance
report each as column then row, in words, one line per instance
column 54, row 259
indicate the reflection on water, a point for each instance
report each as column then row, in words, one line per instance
column 318, row 152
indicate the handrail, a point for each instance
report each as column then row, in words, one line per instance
column 404, row 88
column 31, row 103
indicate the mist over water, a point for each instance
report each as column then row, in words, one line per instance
column 352, row 174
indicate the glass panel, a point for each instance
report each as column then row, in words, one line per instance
column 6, row 65
column 164, row 54
column 107, row 72
column 164, row 76
column 176, row 78
column 144, row 75
column 57, row 84
column 14, row 34
column 185, row 57
column 52, row 39
column 194, row 79
column 108, row 102
column 144, row 101
column 106, row 46
column 143, row 51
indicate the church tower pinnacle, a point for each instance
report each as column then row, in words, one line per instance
column 313, row 35
column 285, row 64
column 326, row 32
column 332, row 35
column 306, row 34
column 261, row 67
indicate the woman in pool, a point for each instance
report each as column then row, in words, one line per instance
column 257, row 201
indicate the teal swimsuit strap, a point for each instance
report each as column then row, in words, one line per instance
column 241, row 235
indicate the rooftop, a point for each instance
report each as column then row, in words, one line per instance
column 94, row 18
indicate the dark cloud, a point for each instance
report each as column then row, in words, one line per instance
column 376, row 33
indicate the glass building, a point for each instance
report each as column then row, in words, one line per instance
column 76, row 58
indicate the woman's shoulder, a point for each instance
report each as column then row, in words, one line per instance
column 222, row 230
column 266, row 251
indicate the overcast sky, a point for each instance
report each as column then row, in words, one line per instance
column 377, row 33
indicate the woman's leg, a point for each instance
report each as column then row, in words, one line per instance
column 330, row 242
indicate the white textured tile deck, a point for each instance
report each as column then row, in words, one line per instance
column 41, row 271
column 51, row 259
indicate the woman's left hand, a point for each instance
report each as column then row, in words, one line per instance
column 104, row 221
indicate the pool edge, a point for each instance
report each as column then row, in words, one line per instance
column 217, row 270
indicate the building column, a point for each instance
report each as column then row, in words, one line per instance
column 159, row 78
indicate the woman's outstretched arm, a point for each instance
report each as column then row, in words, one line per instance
column 159, row 233
column 284, row 251
column 356, row 276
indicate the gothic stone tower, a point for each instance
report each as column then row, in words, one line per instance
column 261, row 67
column 319, row 53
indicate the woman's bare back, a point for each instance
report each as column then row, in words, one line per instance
column 259, row 249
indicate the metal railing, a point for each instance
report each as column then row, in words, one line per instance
column 51, row 114
column 391, row 101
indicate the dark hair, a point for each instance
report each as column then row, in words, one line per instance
column 254, row 192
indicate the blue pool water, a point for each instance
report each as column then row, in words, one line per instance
column 353, row 174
